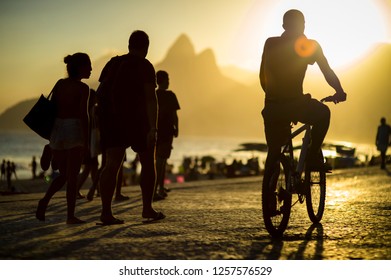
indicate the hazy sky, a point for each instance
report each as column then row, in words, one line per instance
column 37, row 34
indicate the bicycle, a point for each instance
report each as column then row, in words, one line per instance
column 291, row 177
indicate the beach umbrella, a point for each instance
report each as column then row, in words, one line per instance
column 259, row 147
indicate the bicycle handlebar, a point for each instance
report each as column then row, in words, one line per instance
column 336, row 98
column 328, row 99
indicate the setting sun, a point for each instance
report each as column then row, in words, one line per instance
column 346, row 30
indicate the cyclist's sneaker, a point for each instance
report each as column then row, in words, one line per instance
column 316, row 163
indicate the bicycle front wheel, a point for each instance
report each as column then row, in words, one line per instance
column 276, row 200
column 315, row 182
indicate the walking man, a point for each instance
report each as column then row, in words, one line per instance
column 129, row 119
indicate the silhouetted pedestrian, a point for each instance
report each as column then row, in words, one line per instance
column 383, row 140
column 3, row 168
column 167, row 129
column 128, row 93
column 34, row 167
column 13, row 170
column 9, row 175
column 69, row 137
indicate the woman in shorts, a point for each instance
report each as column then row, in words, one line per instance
column 69, row 137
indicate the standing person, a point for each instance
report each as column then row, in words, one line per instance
column 128, row 119
column 9, row 175
column 167, row 129
column 13, row 170
column 283, row 67
column 34, row 167
column 69, row 137
column 3, row 168
column 383, row 140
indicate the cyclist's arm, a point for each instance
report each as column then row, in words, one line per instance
column 330, row 76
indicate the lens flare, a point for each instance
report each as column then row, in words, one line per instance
column 305, row 47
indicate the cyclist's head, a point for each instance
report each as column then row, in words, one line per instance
column 293, row 21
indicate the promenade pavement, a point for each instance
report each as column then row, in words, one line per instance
column 216, row 219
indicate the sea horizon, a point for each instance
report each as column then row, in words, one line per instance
column 19, row 146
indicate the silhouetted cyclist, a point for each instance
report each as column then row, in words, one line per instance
column 283, row 67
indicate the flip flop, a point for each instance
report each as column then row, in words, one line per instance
column 113, row 221
column 150, row 219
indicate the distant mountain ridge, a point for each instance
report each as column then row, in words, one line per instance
column 12, row 118
column 213, row 103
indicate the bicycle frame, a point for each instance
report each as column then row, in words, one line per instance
column 288, row 148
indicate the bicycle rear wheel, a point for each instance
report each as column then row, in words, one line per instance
column 315, row 183
column 276, row 200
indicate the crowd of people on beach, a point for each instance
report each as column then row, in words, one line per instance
column 8, row 170
column 207, row 167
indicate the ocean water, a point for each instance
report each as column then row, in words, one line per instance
column 20, row 146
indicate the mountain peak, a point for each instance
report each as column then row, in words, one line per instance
column 208, row 56
column 182, row 47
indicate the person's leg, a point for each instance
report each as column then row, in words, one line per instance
column 94, row 169
column 317, row 114
column 60, row 157
column 277, row 132
column 108, row 180
column 74, row 161
column 383, row 159
column 148, row 183
column 82, row 177
column 95, row 174
column 272, row 159
column 162, row 176
column 159, row 174
column 55, row 186
column 118, row 191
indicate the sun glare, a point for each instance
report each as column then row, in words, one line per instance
column 346, row 30
column 305, row 47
